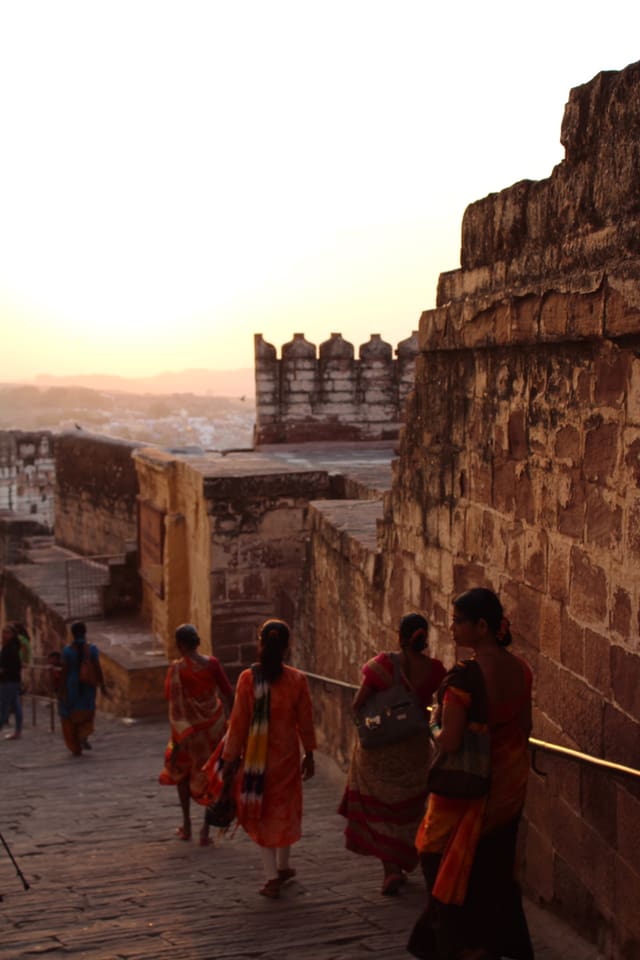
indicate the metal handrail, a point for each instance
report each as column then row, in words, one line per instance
column 337, row 683
column 609, row 765
column 534, row 743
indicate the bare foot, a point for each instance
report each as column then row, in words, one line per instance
column 184, row 833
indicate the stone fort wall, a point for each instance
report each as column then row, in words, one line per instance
column 328, row 394
column 519, row 469
column 96, row 491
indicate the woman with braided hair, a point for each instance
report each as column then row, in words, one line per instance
column 272, row 716
column 386, row 789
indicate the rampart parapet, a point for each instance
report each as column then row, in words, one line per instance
column 330, row 394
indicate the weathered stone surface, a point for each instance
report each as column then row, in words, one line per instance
column 625, row 680
column 96, row 491
column 526, row 395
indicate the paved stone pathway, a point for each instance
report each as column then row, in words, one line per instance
column 95, row 838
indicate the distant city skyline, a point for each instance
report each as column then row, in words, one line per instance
column 176, row 178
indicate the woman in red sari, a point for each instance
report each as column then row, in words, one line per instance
column 467, row 846
column 200, row 698
column 386, row 789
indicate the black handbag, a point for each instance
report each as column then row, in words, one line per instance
column 222, row 812
column 467, row 772
column 391, row 715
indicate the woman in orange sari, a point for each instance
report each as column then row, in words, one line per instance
column 467, row 846
column 272, row 715
column 199, row 696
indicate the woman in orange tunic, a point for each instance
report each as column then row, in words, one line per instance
column 199, row 696
column 271, row 715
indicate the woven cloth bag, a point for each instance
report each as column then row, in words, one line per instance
column 467, row 772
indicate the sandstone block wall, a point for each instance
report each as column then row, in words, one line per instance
column 96, row 490
column 174, row 487
column 257, row 548
column 234, row 543
column 47, row 626
column 339, row 623
column 331, row 395
column 519, row 469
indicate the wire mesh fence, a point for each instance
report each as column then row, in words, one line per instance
column 85, row 581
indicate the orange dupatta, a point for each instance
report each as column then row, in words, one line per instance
column 194, row 704
column 456, row 823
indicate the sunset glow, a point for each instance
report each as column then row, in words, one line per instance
column 178, row 176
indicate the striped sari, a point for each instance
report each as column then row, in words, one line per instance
column 197, row 720
column 385, row 795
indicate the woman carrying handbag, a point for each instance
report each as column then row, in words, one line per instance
column 385, row 794
column 260, row 755
column 81, row 678
column 467, row 842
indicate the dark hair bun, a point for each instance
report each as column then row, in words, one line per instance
column 187, row 636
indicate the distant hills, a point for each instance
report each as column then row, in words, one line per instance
column 208, row 383
column 178, row 419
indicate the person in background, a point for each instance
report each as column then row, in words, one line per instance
column 272, row 715
column 26, row 654
column 10, row 677
column 81, row 677
column 386, row 789
column 467, row 846
column 200, row 698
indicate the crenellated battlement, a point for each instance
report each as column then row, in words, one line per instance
column 328, row 393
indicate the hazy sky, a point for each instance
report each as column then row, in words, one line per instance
column 175, row 177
